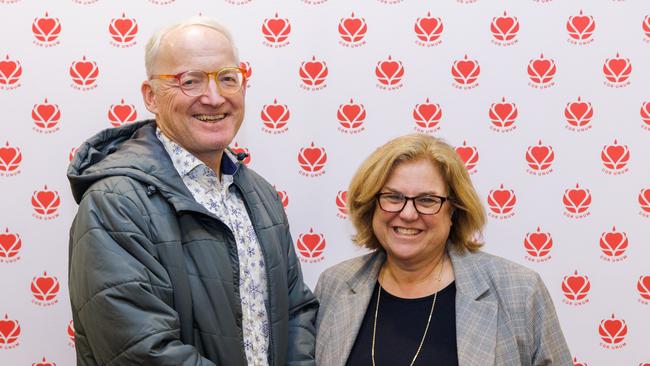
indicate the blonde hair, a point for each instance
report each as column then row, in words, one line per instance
column 468, row 216
column 153, row 45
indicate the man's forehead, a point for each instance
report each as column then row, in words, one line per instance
column 193, row 43
column 186, row 37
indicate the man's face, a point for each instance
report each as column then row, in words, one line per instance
column 204, row 125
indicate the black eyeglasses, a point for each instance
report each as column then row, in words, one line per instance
column 426, row 204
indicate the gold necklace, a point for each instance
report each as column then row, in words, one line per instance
column 426, row 329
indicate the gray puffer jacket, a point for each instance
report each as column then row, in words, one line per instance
column 154, row 276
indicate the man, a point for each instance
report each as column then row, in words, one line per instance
column 180, row 255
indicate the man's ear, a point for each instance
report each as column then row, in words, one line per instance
column 149, row 96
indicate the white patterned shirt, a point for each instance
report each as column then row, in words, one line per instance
column 228, row 205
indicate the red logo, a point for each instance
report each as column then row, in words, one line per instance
column 312, row 161
column 46, row 204
column 643, row 286
column 502, row 203
column 284, row 197
column 613, row 245
column 465, row 73
column 10, row 159
column 123, row 31
column 644, row 202
column 427, row 116
column 617, row 71
column 311, row 246
column 44, row 362
column 578, row 115
column 428, row 30
column 538, row 246
column 615, row 158
column 10, row 72
column 389, row 74
column 9, row 333
column 351, row 117
column 84, row 74
column 120, row 114
column 503, row 116
column 71, row 334
column 275, row 117
column 276, row 31
column 576, row 288
column 10, row 245
column 352, row 31
column 581, row 28
column 576, row 363
column 45, row 289
column 313, row 74
column 645, row 115
column 469, row 156
column 576, row 202
column 646, row 28
column 541, row 72
column 612, row 333
column 249, row 72
column 46, row 117
column 504, row 30
column 73, row 151
column 539, row 159
column 46, row 30
column 237, row 150
column 342, row 204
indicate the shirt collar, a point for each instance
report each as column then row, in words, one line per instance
column 185, row 162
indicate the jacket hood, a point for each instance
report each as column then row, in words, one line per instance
column 132, row 150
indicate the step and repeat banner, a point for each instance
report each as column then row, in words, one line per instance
column 546, row 101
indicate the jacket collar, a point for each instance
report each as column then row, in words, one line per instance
column 185, row 162
column 133, row 150
column 476, row 310
column 470, row 279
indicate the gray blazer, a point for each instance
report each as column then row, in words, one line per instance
column 504, row 314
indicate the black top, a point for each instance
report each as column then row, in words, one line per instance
column 400, row 327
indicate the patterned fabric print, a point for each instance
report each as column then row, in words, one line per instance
column 229, row 207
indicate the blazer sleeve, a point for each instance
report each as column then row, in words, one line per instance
column 303, row 307
column 549, row 346
column 120, row 294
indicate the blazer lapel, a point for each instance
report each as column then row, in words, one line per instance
column 351, row 309
column 476, row 313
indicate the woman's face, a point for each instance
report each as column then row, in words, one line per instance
column 408, row 236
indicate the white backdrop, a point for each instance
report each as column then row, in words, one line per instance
column 547, row 101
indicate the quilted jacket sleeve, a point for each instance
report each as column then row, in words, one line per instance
column 302, row 313
column 120, row 294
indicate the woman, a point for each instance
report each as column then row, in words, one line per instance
column 426, row 295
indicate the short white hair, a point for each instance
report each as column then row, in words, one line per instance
column 153, row 45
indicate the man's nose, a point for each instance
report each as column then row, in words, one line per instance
column 212, row 95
